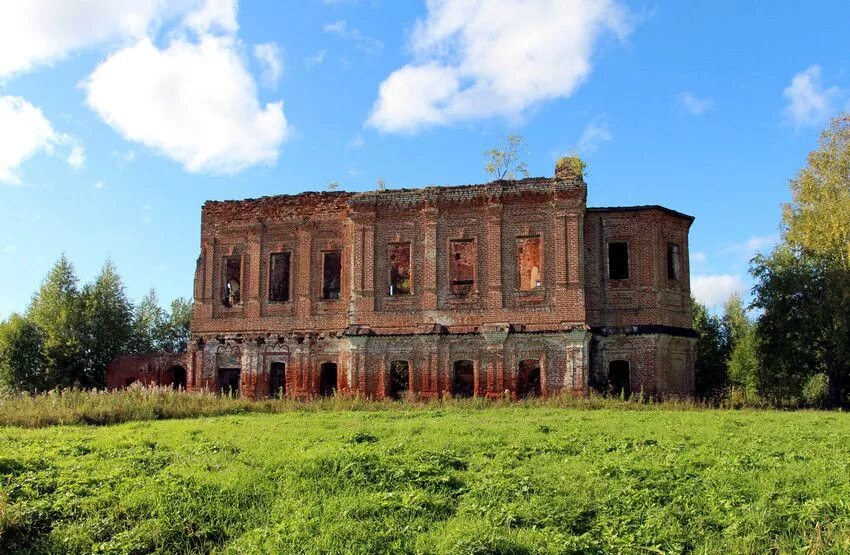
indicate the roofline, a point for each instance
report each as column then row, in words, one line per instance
column 641, row 208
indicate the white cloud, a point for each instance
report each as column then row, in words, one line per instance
column 694, row 105
column 369, row 45
column 699, row 257
column 809, row 103
column 213, row 15
column 593, row 136
column 748, row 249
column 99, row 184
column 24, row 132
column 77, row 157
column 714, row 290
column 193, row 101
column 271, row 58
column 315, row 59
column 147, row 211
column 484, row 58
column 10, row 249
column 337, row 27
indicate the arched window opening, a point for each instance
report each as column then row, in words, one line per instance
column 178, row 380
column 327, row 379
column 463, row 383
column 528, row 379
column 277, row 380
column 619, row 381
column 399, row 378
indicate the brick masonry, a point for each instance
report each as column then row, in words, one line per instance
column 565, row 328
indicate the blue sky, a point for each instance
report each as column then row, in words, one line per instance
column 117, row 123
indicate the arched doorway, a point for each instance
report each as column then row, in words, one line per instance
column 399, row 378
column 463, row 382
column 277, row 380
column 528, row 379
column 327, row 379
column 619, row 381
column 229, row 380
column 178, row 377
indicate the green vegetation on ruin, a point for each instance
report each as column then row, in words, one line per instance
column 456, row 477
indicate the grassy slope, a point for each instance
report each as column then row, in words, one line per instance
column 444, row 480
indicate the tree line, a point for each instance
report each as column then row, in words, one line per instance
column 69, row 334
column 796, row 350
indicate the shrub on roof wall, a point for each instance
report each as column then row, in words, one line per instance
column 570, row 167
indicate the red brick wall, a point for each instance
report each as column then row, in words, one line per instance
column 150, row 369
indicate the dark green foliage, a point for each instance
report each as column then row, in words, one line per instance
column 22, row 360
column 712, row 353
column 445, row 481
column 154, row 329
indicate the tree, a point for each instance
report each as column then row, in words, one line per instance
column 740, row 338
column 176, row 333
column 504, row 162
column 804, row 285
column 23, row 366
column 107, row 323
column 149, row 321
column 712, row 351
column 55, row 309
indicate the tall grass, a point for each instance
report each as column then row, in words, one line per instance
column 99, row 407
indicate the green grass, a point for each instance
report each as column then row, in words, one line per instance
column 433, row 479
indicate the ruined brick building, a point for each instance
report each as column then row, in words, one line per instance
column 472, row 290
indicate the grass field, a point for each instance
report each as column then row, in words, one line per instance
column 509, row 479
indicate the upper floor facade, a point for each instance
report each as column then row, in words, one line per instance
column 524, row 254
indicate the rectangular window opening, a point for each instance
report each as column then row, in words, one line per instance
column 399, row 259
column 462, row 258
column 331, row 274
column 673, row 261
column 530, row 262
column 279, row 276
column 232, row 280
column 618, row 260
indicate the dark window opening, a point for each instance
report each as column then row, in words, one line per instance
column 462, row 267
column 178, row 374
column 327, row 379
column 279, row 277
column 463, row 383
column 399, row 258
column 528, row 379
column 399, row 378
column 619, row 383
column 277, row 380
column 618, row 260
column 229, row 380
column 529, row 263
column 232, row 280
column 331, row 274
column 673, row 264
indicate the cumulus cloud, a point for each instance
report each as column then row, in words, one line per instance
column 714, row 290
column 485, row 58
column 271, row 58
column 694, row 105
column 193, row 100
column 315, row 59
column 24, row 132
column 809, row 103
column 593, row 135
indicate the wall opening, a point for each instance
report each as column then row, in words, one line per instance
column 229, row 380
column 463, row 382
column 399, row 378
column 673, row 261
column 399, row 260
column 178, row 374
column 231, row 280
column 462, row 258
column 618, row 260
column 279, row 272
column 277, row 380
column 331, row 274
column 528, row 379
column 327, row 379
column 619, row 381
column 529, row 262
